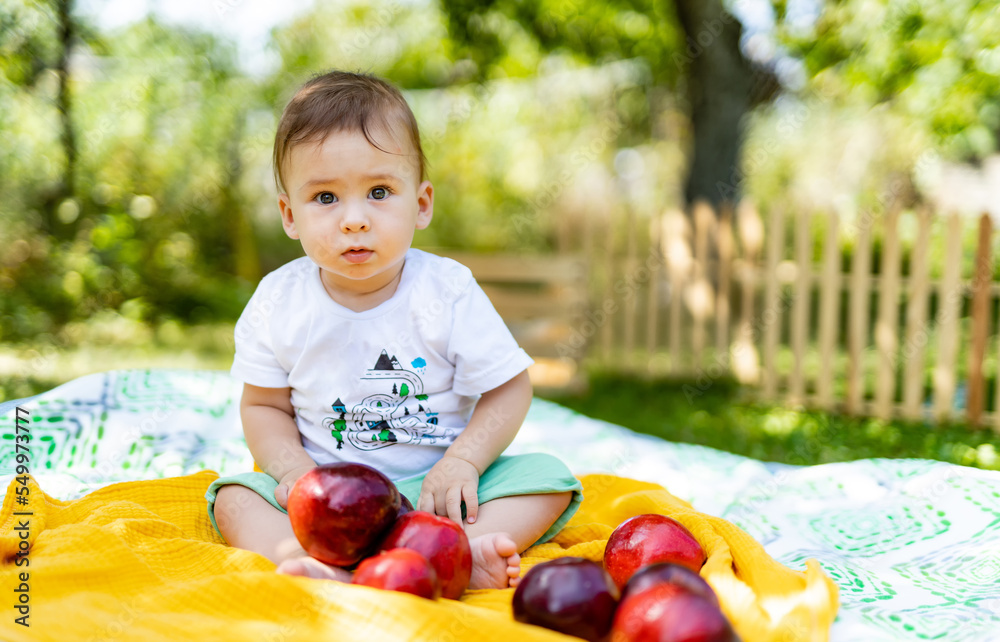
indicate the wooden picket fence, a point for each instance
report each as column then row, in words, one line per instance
column 706, row 295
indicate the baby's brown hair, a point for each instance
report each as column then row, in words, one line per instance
column 344, row 101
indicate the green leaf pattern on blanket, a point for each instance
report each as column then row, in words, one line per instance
column 914, row 545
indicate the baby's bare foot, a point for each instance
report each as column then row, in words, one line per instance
column 495, row 562
column 311, row 567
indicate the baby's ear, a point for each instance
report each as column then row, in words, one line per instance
column 287, row 219
column 425, row 204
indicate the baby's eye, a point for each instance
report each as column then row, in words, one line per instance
column 380, row 193
column 326, row 198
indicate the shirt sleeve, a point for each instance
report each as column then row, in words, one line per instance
column 255, row 361
column 481, row 346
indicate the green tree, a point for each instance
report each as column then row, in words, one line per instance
column 936, row 61
column 689, row 45
column 157, row 225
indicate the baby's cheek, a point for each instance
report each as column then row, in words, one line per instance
column 322, row 249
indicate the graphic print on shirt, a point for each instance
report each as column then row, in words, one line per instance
column 396, row 414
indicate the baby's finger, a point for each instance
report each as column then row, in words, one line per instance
column 471, row 496
column 453, row 504
column 441, row 502
column 425, row 502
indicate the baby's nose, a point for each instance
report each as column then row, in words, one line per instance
column 355, row 220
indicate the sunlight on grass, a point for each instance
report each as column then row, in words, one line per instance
column 781, row 422
column 110, row 343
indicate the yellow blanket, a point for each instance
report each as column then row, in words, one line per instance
column 140, row 561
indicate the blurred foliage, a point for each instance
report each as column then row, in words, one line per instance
column 174, row 216
column 508, row 38
column 936, row 61
column 144, row 235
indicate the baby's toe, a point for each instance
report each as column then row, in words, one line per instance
column 309, row 567
column 505, row 546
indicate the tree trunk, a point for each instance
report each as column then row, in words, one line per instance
column 64, row 9
column 719, row 85
column 53, row 197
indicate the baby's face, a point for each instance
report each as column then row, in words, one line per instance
column 355, row 209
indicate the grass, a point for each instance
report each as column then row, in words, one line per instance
column 722, row 416
column 725, row 418
column 110, row 342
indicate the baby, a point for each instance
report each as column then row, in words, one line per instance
column 367, row 350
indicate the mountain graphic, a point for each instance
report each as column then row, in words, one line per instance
column 385, row 363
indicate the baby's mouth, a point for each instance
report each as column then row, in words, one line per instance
column 357, row 254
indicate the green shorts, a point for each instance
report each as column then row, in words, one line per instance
column 508, row 476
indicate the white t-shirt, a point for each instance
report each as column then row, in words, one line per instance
column 390, row 387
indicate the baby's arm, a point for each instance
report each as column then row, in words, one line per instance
column 272, row 436
column 494, row 423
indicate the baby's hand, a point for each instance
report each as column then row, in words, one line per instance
column 450, row 481
column 285, row 484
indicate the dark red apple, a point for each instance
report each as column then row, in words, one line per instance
column 404, row 507
column 399, row 569
column 441, row 541
column 571, row 595
column 339, row 511
column 672, row 574
column 665, row 614
column 647, row 539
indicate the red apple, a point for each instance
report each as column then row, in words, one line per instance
column 399, row 569
column 646, row 539
column 339, row 511
column 571, row 595
column 671, row 574
column 665, row 614
column 441, row 541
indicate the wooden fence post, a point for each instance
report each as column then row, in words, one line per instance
column 887, row 325
column 917, row 331
column 746, row 362
column 950, row 297
column 725, row 245
column 653, row 298
column 771, row 314
column 677, row 233
column 800, row 305
column 699, row 297
column 829, row 312
column 981, row 282
column 607, row 329
column 857, row 330
column 631, row 269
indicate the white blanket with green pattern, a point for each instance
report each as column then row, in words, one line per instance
column 913, row 544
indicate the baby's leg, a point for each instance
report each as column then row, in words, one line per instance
column 506, row 527
column 247, row 521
